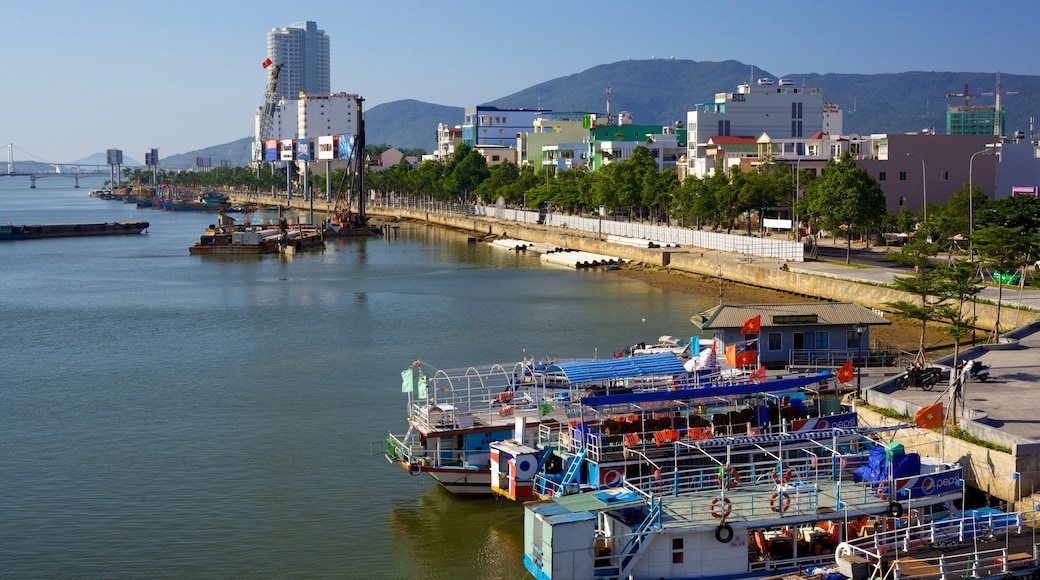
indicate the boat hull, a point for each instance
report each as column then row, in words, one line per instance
column 71, row 230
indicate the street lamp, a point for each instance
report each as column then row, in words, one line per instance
column 971, row 205
column 924, row 185
column 860, row 329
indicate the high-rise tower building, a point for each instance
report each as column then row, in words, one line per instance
column 304, row 52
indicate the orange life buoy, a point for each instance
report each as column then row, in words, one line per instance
column 729, row 477
column 779, row 502
column 727, row 507
column 783, row 476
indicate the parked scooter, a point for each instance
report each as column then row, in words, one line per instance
column 976, row 370
column 916, row 376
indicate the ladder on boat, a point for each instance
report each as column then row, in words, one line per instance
column 572, row 469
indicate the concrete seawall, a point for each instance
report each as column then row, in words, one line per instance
column 762, row 273
column 758, row 272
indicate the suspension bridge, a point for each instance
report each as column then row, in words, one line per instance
column 67, row 170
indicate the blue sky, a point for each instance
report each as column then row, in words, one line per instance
column 81, row 77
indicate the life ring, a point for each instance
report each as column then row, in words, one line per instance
column 415, row 469
column 729, row 477
column 727, row 507
column 895, row 510
column 779, row 502
column 783, row 476
column 724, row 533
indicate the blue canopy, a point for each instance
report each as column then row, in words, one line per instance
column 709, row 391
column 644, row 365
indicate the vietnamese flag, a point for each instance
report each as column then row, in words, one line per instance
column 752, row 325
column 758, row 375
column 268, row 63
column 845, row 373
column 741, row 354
column 929, row 417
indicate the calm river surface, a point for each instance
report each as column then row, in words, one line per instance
column 173, row 415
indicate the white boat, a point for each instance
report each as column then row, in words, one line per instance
column 982, row 543
column 454, row 415
column 599, row 451
column 751, row 507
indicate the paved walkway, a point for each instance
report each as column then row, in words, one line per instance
column 1009, row 399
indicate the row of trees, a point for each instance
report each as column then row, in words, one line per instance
column 843, row 200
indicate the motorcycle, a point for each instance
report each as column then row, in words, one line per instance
column 976, row 370
column 925, row 378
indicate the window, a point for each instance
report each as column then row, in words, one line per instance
column 677, row 550
column 775, row 342
column 902, row 176
column 494, row 158
column 850, row 339
column 823, row 340
column 804, row 340
column 945, row 176
column 882, row 176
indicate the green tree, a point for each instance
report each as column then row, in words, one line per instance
column 957, row 284
column 847, row 199
column 924, row 285
column 1003, row 250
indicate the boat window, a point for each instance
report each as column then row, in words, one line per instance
column 677, row 550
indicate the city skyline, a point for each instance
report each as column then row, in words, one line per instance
column 86, row 78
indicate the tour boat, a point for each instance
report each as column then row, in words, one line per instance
column 750, row 506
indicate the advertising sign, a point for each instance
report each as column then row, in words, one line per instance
column 286, row 150
column 303, row 150
column 327, row 147
column 271, row 150
column 346, row 146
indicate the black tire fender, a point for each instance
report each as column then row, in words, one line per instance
column 724, row 533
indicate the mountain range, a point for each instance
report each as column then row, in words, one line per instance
column 661, row 91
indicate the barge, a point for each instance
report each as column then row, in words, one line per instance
column 32, row 232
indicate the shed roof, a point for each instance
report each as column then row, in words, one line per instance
column 827, row 314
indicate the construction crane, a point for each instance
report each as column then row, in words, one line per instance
column 266, row 125
column 343, row 221
column 997, row 107
column 270, row 104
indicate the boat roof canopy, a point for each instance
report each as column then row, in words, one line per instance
column 708, row 392
column 645, row 365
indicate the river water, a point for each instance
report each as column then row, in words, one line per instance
column 196, row 416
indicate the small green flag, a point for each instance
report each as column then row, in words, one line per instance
column 545, row 408
column 422, row 387
column 406, row 380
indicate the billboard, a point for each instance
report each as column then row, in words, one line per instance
column 327, row 147
column 114, row 156
column 270, row 150
column 286, row 150
column 303, row 149
column 346, row 146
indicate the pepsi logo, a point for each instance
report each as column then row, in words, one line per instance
column 928, row 485
column 822, row 424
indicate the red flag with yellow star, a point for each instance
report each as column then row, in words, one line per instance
column 752, row 325
column 845, row 374
column 929, row 417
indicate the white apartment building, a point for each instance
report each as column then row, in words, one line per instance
column 780, row 110
column 303, row 52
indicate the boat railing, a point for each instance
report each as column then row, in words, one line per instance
column 967, row 545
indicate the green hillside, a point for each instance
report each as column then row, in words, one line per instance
column 660, row 92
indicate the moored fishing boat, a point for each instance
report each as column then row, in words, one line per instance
column 750, row 507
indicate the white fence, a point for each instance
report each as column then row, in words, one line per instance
column 657, row 234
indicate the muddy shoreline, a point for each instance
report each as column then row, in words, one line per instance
column 901, row 335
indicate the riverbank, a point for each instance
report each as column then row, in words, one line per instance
column 904, row 335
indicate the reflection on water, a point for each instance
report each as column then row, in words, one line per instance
column 451, row 537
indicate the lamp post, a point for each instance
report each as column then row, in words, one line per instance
column 924, row 185
column 860, row 329
column 971, row 205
